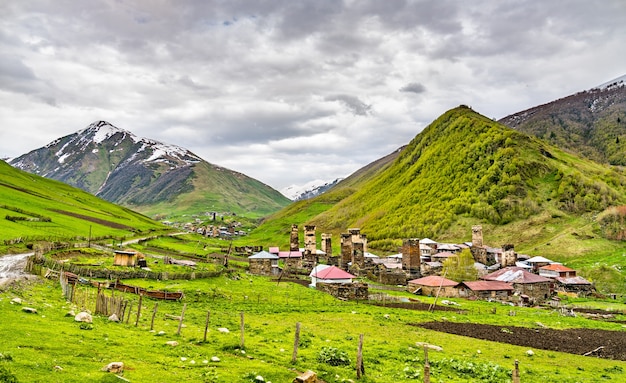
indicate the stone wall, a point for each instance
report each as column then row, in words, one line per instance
column 392, row 277
column 261, row 267
column 538, row 292
column 349, row 291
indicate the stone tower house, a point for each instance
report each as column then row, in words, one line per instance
column 294, row 243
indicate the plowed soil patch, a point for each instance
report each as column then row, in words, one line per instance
column 609, row 344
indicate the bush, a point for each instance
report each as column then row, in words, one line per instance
column 7, row 376
column 333, row 357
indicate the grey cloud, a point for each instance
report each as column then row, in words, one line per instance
column 413, row 87
column 353, row 104
column 269, row 75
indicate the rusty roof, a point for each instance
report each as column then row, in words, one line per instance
column 487, row 285
column 556, row 267
column 434, row 281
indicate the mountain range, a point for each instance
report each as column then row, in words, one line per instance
column 591, row 123
column 148, row 176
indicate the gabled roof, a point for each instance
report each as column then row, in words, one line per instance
column 263, row 255
column 333, row 272
column 447, row 246
column 523, row 265
column 444, row 254
column 487, row 285
column 538, row 259
column 556, row 267
column 515, row 275
column 434, row 281
column 573, row 281
column 290, row 254
column 427, row 241
column 317, row 269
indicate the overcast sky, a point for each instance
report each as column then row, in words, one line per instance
column 290, row 91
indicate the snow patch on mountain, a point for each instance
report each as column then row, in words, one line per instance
column 308, row 190
column 620, row 81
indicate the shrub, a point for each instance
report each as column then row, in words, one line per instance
column 333, row 356
column 7, row 376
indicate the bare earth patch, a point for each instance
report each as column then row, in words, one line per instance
column 609, row 344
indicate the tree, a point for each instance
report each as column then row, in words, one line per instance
column 460, row 268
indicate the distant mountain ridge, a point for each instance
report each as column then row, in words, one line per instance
column 147, row 175
column 591, row 123
column 308, row 190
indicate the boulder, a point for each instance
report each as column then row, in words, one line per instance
column 223, row 329
column 83, row 317
column 307, row 377
column 16, row 301
column 29, row 310
column 172, row 343
column 114, row 318
column 114, row 367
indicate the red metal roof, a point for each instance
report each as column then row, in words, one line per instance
column 290, row 254
column 333, row 272
column 274, row 249
column 487, row 285
column 556, row 267
column 434, row 281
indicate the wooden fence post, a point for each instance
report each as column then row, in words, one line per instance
column 206, row 324
column 180, row 322
column 360, row 369
column 130, row 309
column 138, row 310
column 241, row 342
column 296, row 342
column 154, row 311
column 426, row 366
column 516, row 372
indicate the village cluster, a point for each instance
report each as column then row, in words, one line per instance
column 502, row 273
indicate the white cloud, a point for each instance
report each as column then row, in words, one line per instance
column 289, row 91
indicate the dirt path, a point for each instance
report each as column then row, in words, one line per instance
column 609, row 344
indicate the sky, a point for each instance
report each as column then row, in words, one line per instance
column 289, row 91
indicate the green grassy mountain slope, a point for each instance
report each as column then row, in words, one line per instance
column 463, row 169
column 590, row 123
column 35, row 208
column 213, row 188
column 149, row 176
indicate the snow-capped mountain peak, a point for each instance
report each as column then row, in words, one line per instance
column 308, row 190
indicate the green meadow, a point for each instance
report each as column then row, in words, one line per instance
column 50, row 346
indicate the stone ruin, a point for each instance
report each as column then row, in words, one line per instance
column 346, row 291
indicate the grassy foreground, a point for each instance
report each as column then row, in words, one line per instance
column 51, row 347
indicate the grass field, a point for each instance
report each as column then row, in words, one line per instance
column 51, row 347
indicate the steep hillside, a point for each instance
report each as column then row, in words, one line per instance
column 465, row 169
column 590, row 123
column 147, row 175
column 35, row 208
